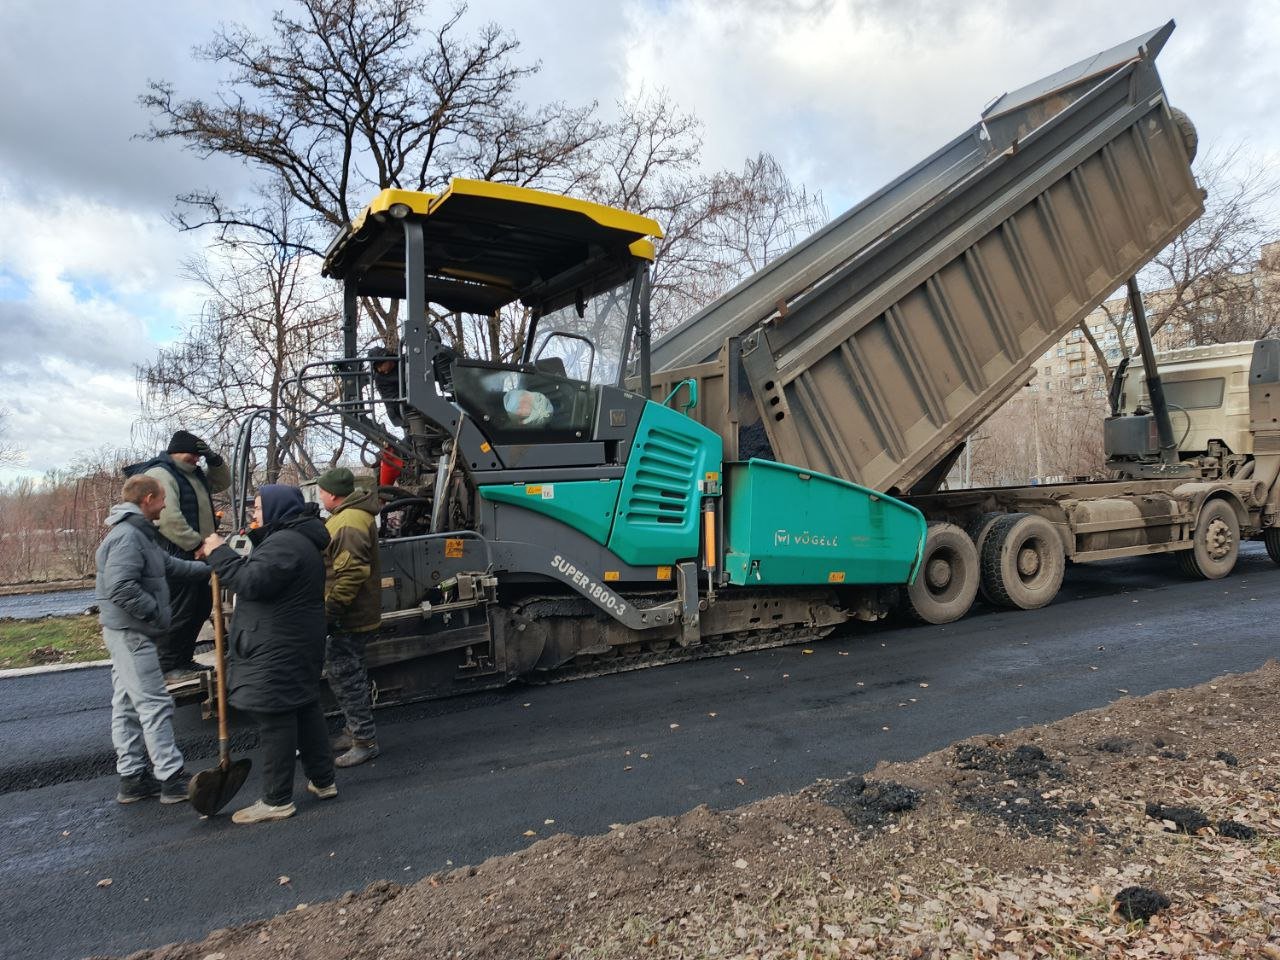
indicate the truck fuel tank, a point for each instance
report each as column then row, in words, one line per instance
column 1117, row 522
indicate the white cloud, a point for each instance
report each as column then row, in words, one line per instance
column 100, row 284
column 849, row 94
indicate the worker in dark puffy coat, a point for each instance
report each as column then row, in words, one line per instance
column 276, row 645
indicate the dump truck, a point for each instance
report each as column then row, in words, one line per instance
column 871, row 350
column 769, row 470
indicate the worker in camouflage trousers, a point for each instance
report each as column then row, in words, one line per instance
column 353, row 607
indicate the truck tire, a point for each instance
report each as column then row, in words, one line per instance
column 1271, row 538
column 978, row 529
column 944, row 588
column 1217, row 543
column 1187, row 130
column 1022, row 562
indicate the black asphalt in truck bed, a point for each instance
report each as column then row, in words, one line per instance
column 464, row 779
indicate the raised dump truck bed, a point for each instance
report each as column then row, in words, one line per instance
column 871, row 350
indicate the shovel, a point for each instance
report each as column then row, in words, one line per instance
column 211, row 790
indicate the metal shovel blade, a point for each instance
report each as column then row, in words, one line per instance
column 211, row 790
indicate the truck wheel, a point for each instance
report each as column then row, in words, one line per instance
column 944, row 588
column 1217, row 543
column 1022, row 562
column 1271, row 538
column 1187, row 130
column 978, row 530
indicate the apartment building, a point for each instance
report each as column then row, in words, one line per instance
column 1241, row 306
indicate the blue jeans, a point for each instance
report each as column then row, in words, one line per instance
column 141, row 708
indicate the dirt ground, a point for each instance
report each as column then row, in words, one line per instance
column 1040, row 843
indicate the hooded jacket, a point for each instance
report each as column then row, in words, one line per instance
column 131, row 587
column 353, row 574
column 276, row 642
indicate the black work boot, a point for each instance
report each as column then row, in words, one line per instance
column 360, row 752
column 174, row 789
column 138, row 786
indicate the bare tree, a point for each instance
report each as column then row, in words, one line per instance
column 9, row 452
column 1210, row 285
column 348, row 97
column 265, row 319
column 735, row 224
column 1038, row 436
column 718, row 227
column 82, row 495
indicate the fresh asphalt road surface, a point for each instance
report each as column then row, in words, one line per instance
column 462, row 780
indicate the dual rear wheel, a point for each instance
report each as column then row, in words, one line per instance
column 1015, row 559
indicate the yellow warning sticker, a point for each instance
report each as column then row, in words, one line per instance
column 453, row 548
column 612, row 575
column 533, row 490
column 835, row 576
column 712, row 476
column 485, row 447
column 664, row 573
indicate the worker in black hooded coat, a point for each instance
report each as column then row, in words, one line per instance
column 276, row 645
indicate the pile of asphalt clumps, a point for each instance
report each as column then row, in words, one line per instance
column 1234, row 830
column 1028, row 812
column 1021, row 808
column 1140, row 903
column 1184, row 819
column 1118, row 745
column 873, row 804
column 1193, row 821
column 1026, row 762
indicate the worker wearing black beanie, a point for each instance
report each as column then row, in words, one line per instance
column 188, row 517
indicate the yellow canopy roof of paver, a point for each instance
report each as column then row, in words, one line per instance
column 490, row 244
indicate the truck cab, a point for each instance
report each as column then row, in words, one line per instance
column 1207, row 390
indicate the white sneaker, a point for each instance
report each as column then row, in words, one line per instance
column 323, row 793
column 263, row 812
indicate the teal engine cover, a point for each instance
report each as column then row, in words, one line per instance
column 658, row 516
column 792, row 526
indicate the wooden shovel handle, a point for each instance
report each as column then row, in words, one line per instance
column 220, row 655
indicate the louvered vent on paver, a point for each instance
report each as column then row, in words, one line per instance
column 666, row 474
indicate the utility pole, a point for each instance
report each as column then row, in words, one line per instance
column 1035, row 421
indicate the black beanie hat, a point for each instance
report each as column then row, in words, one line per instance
column 184, row 442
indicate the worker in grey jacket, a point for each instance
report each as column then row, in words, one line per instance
column 132, row 592
column 187, row 518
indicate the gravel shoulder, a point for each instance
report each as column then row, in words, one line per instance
column 1048, row 841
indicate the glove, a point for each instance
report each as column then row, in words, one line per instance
column 204, row 450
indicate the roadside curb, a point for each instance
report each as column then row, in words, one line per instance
column 51, row 668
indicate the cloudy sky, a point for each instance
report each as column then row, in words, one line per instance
column 845, row 93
